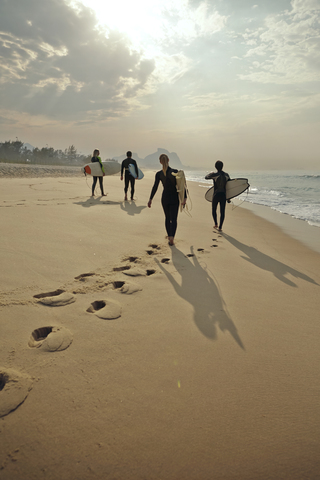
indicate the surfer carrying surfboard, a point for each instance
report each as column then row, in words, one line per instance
column 128, row 178
column 94, row 159
column 220, row 179
column 170, row 196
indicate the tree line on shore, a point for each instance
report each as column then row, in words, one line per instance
column 16, row 152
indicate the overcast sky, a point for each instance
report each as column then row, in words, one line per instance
column 235, row 80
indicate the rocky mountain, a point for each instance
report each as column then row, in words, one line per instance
column 152, row 160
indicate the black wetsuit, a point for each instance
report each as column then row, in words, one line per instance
column 93, row 160
column 219, row 196
column 169, row 199
column 128, row 178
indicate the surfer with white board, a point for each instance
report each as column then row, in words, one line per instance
column 170, row 196
column 128, row 177
column 220, row 179
column 95, row 158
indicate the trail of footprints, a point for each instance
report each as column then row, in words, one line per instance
column 14, row 385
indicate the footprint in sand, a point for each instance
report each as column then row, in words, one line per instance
column 165, row 260
column 14, row 389
column 130, row 259
column 51, row 339
column 125, row 287
column 139, row 272
column 121, row 269
column 84, row 276
column 155, row 246
column 58, row 298
column 105, row 309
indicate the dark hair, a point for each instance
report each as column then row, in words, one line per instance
column 219, row 165
column 129, row 154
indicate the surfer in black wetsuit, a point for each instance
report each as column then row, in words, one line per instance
column 128, row 178
column 220, row 179
column 94, row 159
column 170, row 197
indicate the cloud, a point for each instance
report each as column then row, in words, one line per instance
column 55, row 61
column 287, row 46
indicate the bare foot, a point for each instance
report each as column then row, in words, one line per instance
column 171, row 242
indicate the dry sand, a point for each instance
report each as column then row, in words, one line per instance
column 123, row 358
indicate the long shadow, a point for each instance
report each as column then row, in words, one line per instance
column 267, row 263
column 131, row 208
column 93, row 201
column 199, row 289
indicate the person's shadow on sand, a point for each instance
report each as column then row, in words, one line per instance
column 93, row 201
column 200, row 290
column 131, row 208
column 267, row 263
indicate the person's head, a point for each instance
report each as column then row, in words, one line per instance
column 164, row 160
column 129, row 154
column 96, row 153
column 219, row 165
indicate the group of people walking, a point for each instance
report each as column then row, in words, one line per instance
column 170, row 198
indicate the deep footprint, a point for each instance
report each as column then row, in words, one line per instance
column 105, row 309
column 49, row 294
column 51, row 338
column 14, row 387
column 56, row 300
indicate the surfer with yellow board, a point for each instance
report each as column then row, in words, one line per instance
column 96, row 158
column 171, row 197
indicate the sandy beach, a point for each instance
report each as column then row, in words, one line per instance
column 123, row 358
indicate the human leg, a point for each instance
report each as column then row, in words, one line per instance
column 173, row 215
column 166, row 209
column 126, row 184
column 101, row 185
column 215, row 201
column 222, row 202
column 94, row 183
column 132, row 182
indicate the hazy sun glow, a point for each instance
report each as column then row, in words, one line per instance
column 151, row 24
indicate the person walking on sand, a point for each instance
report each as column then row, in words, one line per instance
column 220, row 179
column 128, row 178
column 170, row 196
column 96, row 158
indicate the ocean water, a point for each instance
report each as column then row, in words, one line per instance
column 294, row 193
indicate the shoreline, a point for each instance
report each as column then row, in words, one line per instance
column 298, row 229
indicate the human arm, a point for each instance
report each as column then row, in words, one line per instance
column 154, row 188
column 211, row 176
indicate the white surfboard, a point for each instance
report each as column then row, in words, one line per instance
column 181, row 186
column 234, row 187
column 132, row 171
column 94, row 168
